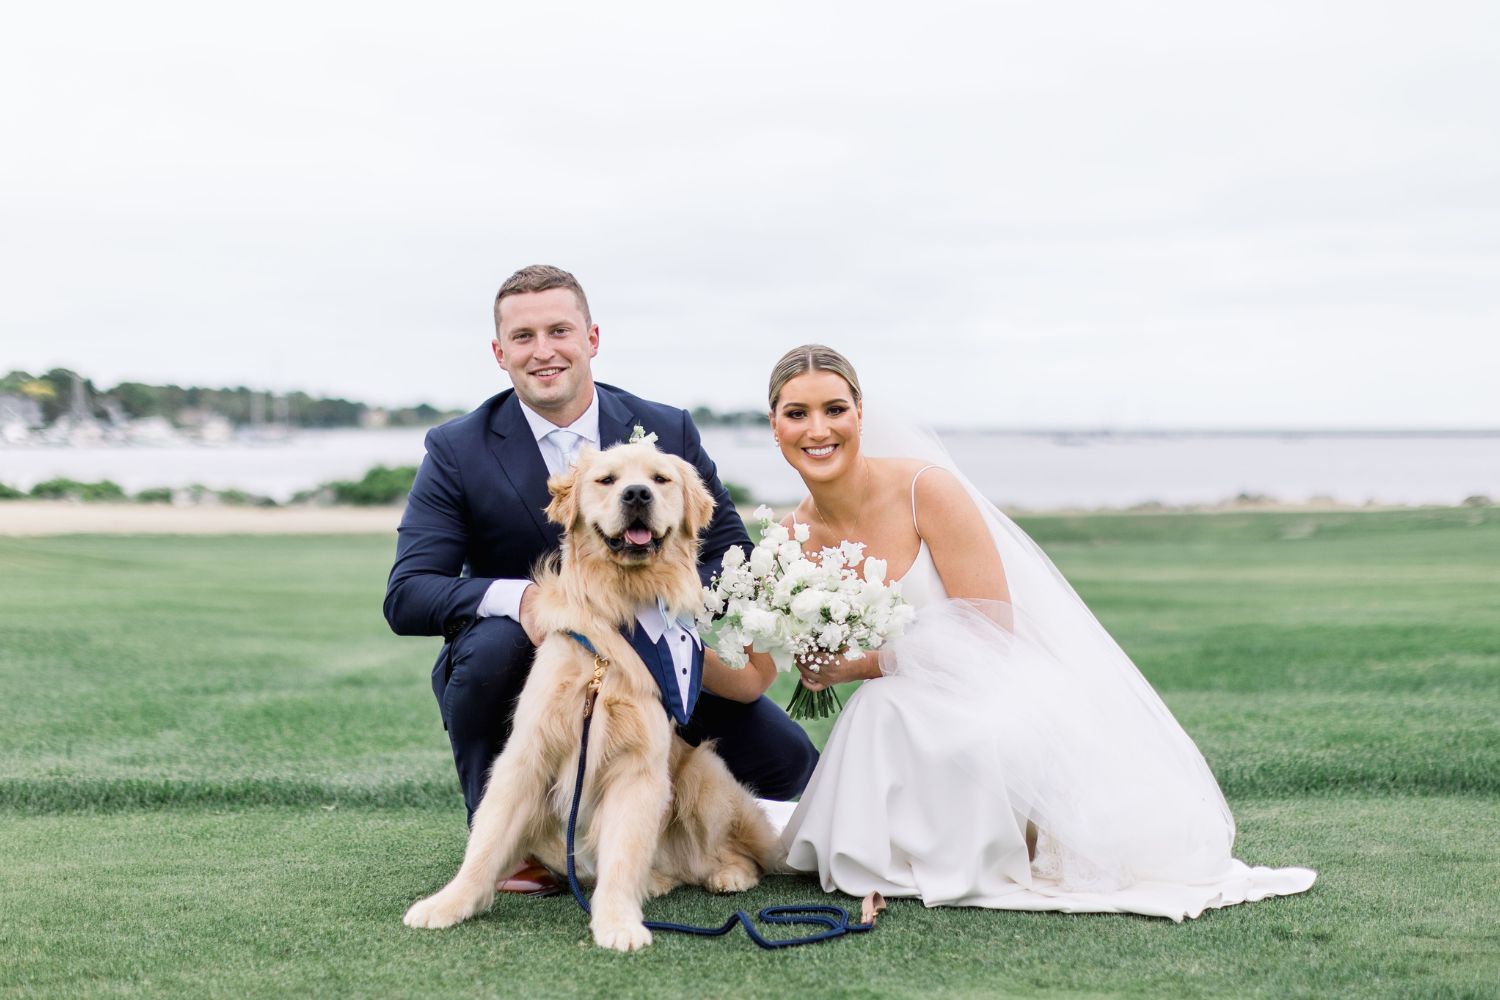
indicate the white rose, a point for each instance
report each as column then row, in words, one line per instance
column 789, row 553
column 831, row 637
column 762, row 560
column 869, row 595
column 759, row 622
column 801, row 569
column 733, row 556
column 781, row 593
column 808, row 605
column 838, row 609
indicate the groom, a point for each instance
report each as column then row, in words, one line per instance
column 474, row 527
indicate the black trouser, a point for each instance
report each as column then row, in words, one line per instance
column 479, row 678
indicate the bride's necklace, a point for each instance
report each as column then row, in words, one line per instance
column 859, row 512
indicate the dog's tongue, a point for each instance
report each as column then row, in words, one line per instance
column 638, row 536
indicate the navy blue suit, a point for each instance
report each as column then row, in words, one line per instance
column 475, row 514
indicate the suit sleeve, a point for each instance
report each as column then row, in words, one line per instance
column 726, row 528
column 428, row 593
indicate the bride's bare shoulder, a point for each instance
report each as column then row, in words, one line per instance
column 899, row 473
column 897, row 470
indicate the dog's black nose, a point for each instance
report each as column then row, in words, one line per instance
column 636, row 496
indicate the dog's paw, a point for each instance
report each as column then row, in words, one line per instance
column 441, row 910
column 621, row 936
column 660, row 884
column 736, row 876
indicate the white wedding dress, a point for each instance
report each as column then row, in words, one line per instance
column 990, row 716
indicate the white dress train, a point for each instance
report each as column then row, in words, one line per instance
column 984, row 722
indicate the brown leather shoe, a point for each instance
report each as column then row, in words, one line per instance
column 531, row 878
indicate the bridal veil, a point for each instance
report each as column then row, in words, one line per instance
column 1072, row 736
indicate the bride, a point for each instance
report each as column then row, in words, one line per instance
column 1004, row 752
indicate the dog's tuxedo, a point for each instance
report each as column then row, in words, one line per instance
column 475, row 514
column 677, row 697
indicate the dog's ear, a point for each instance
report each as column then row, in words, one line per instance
column 563, row 510
column 697, row 504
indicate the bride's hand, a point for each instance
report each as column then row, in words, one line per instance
column 841, row 670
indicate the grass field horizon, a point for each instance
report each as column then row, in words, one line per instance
column 223, row 776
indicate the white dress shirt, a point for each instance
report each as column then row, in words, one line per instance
column 682, row 637
column 503, row 598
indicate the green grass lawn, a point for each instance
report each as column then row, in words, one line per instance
column 220, row 775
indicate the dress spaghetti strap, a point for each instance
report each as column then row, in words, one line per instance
column 914, row 497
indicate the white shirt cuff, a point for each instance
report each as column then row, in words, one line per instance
column 503, row 599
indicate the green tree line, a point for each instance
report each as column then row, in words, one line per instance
column 53, row 392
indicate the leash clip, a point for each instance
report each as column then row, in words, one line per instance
column 591, row 693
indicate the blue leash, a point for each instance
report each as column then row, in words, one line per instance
column 834, row 920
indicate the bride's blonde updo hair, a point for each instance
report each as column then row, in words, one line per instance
column 812, row 358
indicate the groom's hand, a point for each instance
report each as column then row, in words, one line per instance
column 528, row 616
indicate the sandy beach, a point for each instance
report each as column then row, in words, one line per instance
column 45, row 517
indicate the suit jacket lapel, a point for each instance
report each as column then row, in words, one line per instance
column 615, row 419
column 513, row 446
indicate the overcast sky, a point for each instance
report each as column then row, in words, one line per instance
column 1024, row 215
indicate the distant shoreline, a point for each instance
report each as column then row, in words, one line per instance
column 40, row 518
column 1227, row 432
column 1103, row 433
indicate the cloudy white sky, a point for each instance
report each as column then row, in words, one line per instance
column 1024, row 215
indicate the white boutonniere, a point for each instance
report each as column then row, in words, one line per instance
column 639, row 434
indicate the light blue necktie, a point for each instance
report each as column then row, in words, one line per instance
column 568, row 444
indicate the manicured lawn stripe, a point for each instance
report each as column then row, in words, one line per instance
column 288, row 902
column 220, row 775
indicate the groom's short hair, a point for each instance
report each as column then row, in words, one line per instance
column 541, row 278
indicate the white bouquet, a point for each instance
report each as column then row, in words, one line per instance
column 780, row 602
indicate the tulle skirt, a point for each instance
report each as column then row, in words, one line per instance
column 979, row 734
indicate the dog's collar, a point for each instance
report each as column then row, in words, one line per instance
column 583, row 641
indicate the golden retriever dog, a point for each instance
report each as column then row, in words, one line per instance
column 655, row 812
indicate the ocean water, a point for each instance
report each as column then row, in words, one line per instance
column 1027, row 470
